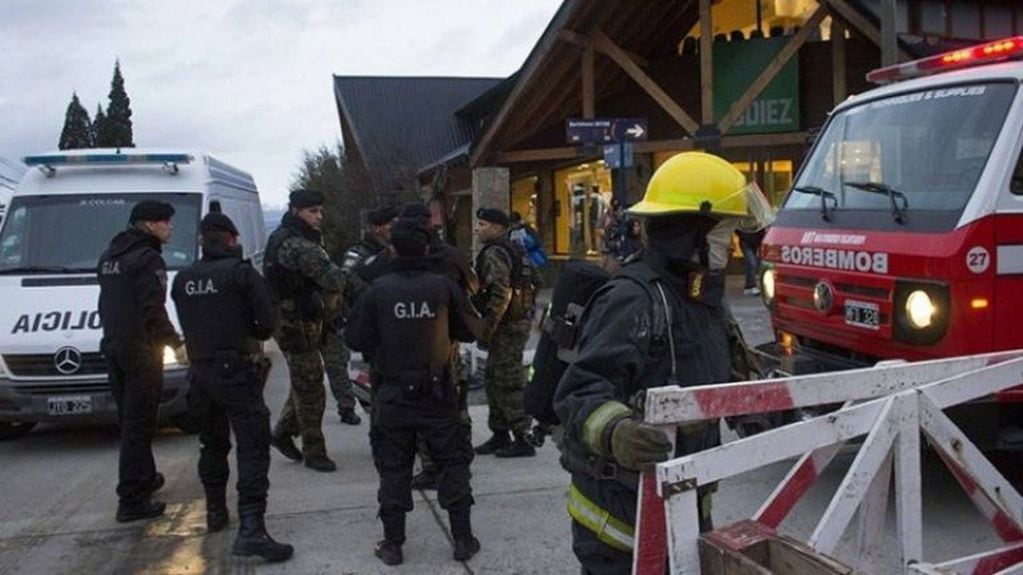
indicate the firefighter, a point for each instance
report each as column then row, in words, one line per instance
column 661, row 321
column 406, row 323
column 136, row 329
column 226, row 309
column 304, row 280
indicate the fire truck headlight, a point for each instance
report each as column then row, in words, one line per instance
column 767, row 285
column 920, row 310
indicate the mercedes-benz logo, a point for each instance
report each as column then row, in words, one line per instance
column 67, row 360
column 823, row 296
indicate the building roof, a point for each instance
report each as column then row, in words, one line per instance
column 406, row 120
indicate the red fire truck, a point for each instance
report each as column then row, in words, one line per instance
column 902, row 236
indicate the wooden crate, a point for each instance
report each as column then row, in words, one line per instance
column 748, row 548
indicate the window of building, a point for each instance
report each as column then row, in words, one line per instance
column 583, row 194
column 523, row 199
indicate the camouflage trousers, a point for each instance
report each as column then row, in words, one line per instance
column 505, row 377
column 335, row 362
column 303, row 410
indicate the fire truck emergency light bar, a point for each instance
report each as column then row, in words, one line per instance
column 48, row 163
column 988, row 53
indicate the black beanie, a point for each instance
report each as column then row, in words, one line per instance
column 217, row 222
column 409, row 238
column 494, row 216
column 151, row 211
column 305, row 199
column 417, row 211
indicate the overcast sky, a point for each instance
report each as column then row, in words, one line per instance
column 247, row 80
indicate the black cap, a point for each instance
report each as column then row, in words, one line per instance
column 494, row 216
column 305, row 199
column 151, row 211
column 417, row 211
column 217, row 222
column 409, row 237
column 382, row 216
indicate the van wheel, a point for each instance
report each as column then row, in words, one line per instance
column 15, row 429
column 185, row 423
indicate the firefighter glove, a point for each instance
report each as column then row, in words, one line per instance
column 638, row 446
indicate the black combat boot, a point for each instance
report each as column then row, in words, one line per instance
column 139, row 510
column 521, row 447
column 286, row 445
column 321, row 463
column 350, row 417
column 389, row 548
column 216, row 509
column 496, row 441
column 426, row 479
column 461, row 531
column 157, row 483
column 254, row 540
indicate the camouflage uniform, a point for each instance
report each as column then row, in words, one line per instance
column 301, row 333
column 505, row 333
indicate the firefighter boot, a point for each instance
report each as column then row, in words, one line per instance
column 216, row 509
column 496, row 441
column 254, row 540
column 521, row 447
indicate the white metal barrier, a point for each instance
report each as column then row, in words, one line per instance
column 890, row 404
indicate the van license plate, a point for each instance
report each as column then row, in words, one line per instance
column 862, row 314
column 69, row 404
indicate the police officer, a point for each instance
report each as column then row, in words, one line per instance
column 451, row 262
column 506, row 325
column 375, row 245
column 226, row 308
column 406, row 323
column 661, row 321
column 133, row 286
column 305, row 281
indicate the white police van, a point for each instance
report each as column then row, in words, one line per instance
column 60, row 219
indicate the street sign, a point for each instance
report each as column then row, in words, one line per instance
column 618, row 155
column 584, row 131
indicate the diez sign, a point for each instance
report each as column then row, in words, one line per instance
column 736, row 65
column 584, row 131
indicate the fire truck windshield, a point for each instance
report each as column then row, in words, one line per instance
column 919, row 152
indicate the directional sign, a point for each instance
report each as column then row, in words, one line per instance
column 585, row 131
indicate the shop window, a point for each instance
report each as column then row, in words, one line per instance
column 583, row 195
column 523, row 199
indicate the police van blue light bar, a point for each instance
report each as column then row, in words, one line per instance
column 987, row 53
column 80, row 159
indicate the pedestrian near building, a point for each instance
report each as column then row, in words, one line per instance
column 304, row 280
column 452, row 263
column 136, row 329
column 749, row 243
column 660, row 321
column 506, row 326
column 407, row 322
column 375, row 244
column 226, row 309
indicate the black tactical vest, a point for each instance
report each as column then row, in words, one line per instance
column 214, row 312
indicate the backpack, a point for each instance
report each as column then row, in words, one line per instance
column 579, row 284
column 525, row 238
column 526, row 279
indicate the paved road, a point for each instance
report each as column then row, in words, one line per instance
column 57, row 503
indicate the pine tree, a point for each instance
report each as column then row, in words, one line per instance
column 77, row 132
column 99, row 128
column 118, row 120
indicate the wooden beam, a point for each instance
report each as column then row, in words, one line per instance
column 543, row 154
column 889, row 35
column 772, row 69
column 852, row 16
column 706, row 64
column 605, row 45
column 839, row 89
column 587, row 83
column 583, row 41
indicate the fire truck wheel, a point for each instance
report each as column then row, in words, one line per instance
column 15, row 429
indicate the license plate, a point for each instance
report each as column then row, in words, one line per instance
column 69, row 404
column 862, row 314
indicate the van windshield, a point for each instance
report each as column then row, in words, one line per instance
column 67, row 233
column 923, row 151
